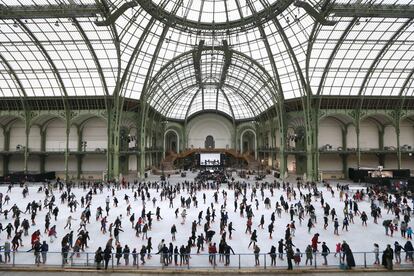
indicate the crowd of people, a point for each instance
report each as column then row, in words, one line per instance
column 298, row 201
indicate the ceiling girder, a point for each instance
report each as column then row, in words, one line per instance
column 318, row 16
column 372, row 10
column 197, row 63
column 227, row 62
column 172, row 20
column 51, row 11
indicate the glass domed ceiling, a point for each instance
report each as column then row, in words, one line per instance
column 215, row 11
column 67, row 57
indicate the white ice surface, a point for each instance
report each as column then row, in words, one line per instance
column 359, row 238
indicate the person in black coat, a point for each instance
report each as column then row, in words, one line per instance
column 142, row 254
column 325, row 253
column 98, row 258
column 387, row 257
column 107, row 255
column 289, row 256
column 118, row 254
column 280, row 248
column 65, row 252
column 350, row 261
column 253, row 238
column 397, row 252
column 176, row 254
column 126, row 252
column 44, row 249
column 227, row 250
column 164, row 254
column 272, row 254
column 408, row 247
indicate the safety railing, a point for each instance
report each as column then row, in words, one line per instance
column 197, row 261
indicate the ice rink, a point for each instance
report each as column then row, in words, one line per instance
column 360, row 239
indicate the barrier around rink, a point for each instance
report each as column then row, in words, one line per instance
column 363, row 260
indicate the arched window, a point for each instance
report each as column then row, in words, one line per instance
column 209, row 143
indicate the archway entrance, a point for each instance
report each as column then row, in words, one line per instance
column 172, row 141
column 248, row 142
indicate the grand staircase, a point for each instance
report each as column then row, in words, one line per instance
column 252, row 163
column 168, row 162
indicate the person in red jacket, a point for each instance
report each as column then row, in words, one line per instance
column 35, row 237
column 315, row 242
column 212, row 250
column 52, row 233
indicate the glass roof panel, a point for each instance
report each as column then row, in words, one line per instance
column 57, row 56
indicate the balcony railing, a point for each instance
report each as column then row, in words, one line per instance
column 363, row 260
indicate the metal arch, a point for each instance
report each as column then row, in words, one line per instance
column 210, row 111
column 292, row 55
column 45, row 125
column 227, row 63
column 251, row 62
column 408, row 118
column 116, row 14
column 9, row 124
column 302, row 82
column 312, row 38
column 9, row 86
column 136, row 50
column 51, row 63
column 174, row 72
column 194, row 85
column 172, row 20
column 93, row 53
column 242, row 133
column 378, row 58
column 404, row 86
column 239, row 9
column 82, row 123
column 233, row 88
column 127, row 74
column 191, row 76
column 308, row 114
column 228, row 102
column 237, row 53
column 156, row 79
column 339, row 121
column 155, row 57
column 279, row 105
column 144, row 109
column 158, row 87
column 184, row 90
column 262, row 69
column 248, row 104
column 191, row 103
column 375, row 120
column 277, row 97
column 319, row 17
column 17, row 80
column 333, row 54
column 278, row 85
column 245, row 101
column 175, row 98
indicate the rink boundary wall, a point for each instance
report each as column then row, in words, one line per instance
column 207, row 271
